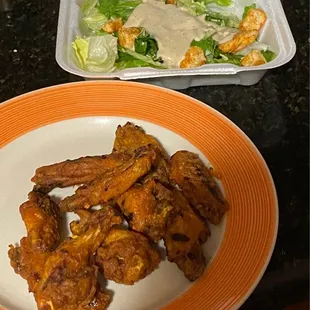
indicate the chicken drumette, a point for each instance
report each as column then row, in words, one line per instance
column 41, row 217
column 69, row 280
column 130, row 137
column 198, row 186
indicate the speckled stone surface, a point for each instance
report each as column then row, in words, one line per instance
column 274, row 114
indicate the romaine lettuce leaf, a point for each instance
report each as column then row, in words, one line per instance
column 247, row 9
column 219, row 2
column 125, row 61
column 223, row 19
column 95, row 19
column 226, row 58
column 96, row 54
column 146, row 59
column 213, row 53
column 269, row 55
column 146, row 45
column 192, row 7
column 125, row 8
column 208, row 45
column 118, row 8
column 88, row 5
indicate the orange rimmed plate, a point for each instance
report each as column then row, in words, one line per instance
column 78, row 119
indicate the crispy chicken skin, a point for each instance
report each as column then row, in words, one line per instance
column 76, row 172
column 113, row 183
column 69, row 280
column 126, row 257
column 198, row 186
column 184, row 238
column 146, row 208
column 130, row 137
column 41, row 217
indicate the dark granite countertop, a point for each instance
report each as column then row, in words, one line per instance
column 274, row 114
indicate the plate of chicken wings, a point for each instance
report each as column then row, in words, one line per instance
column 121, row 195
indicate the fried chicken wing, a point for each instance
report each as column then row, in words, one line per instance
column 41, row 217
column 198, row 186
column 126, row 257
column 69, row 280
column 146, row 208
column 130, row 137
column 76, row 172
column 184, row 238
column 113, row 183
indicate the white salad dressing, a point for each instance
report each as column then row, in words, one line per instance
column 174, row 29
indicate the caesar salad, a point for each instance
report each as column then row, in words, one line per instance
column 168, row 34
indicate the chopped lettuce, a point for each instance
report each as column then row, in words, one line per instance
column 223, row 19
column 146, row 45
column 269, row 55
column 213, row 53
column 95, row 19
column 151, row 63
column 247, row 9
column 226, row 58
column 192, row 7
column 218, row 2
column 125, row 8
column 88, row 5
column 208, row 45
column 96, row 54
column 125, row 61
column 118, row 8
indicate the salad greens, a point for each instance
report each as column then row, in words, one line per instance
column 247, row 9
column 147, row 59
column 118, row 8
column 97, row 53
column 100, row 51
column 269, row 55
column 228, row 20
column 213, row 53
column 146, row 45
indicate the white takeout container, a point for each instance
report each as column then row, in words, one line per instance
column 276, row 33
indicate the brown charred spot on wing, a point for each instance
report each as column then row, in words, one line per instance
column 179, row 237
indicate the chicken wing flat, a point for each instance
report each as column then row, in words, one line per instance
column 198, row 186
column 69, row 280
column 126, row 257
column 147, row 208
column 76, row 172
column 41, row 217
column 130, row 137
column 113, row 183
column 184, row 238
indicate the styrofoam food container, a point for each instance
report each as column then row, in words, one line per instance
column 276, row 33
